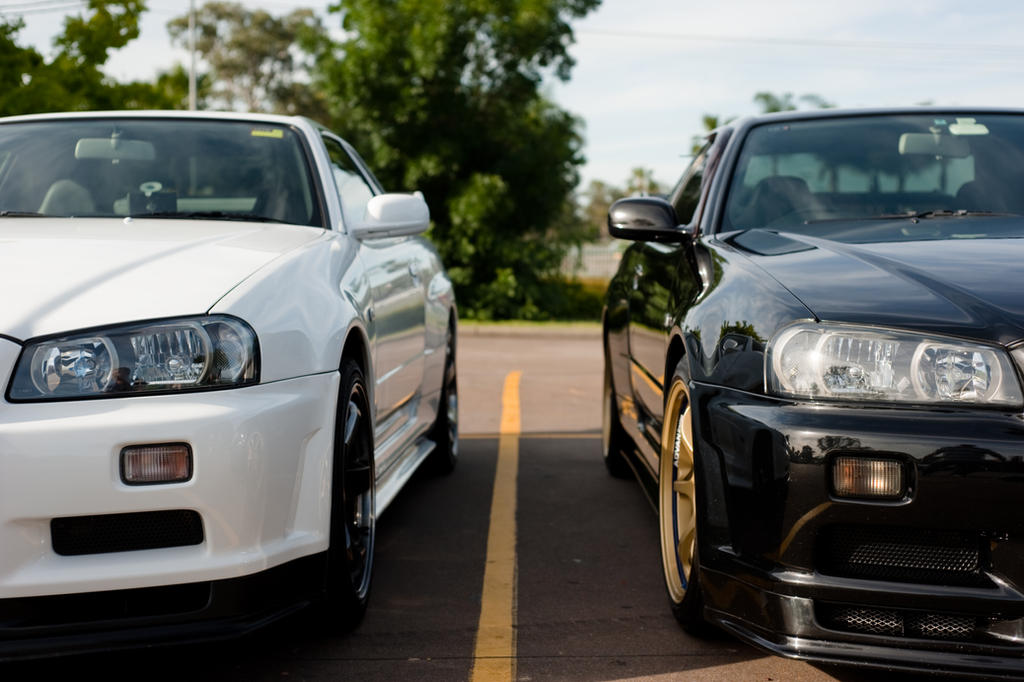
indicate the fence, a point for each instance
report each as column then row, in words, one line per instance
column 597, row 261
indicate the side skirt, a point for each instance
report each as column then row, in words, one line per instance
column 396, row 477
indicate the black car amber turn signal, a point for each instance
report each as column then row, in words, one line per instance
column 863, row 477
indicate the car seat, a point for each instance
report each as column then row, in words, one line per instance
column 66, row 198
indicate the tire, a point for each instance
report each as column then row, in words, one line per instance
column 445, row 432
column 677, row 509
column 353, row 511
column 614, row 440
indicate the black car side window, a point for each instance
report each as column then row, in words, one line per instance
column 686, row 195
column 353, row 189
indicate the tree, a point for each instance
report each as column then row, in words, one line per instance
column 21, row 90
column 770, row 102
column 641, row 181
column 84, row 47
column 172, row 87
column 444, row 96
column 709, row 123
column 73, row 79
column 257, row 61
column 599, row 196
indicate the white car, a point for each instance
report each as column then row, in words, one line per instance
column 224, row 349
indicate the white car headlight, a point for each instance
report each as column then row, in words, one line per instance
column 194, row 353
column 839, row 362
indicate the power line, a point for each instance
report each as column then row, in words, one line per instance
column 44, row 8
column 258, row 4
column 29, row 4
column 803, row 42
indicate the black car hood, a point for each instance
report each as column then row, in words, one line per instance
column 962, row 287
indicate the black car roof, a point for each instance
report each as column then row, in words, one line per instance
column 813, row 114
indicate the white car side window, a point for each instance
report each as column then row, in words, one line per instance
column 353, row 190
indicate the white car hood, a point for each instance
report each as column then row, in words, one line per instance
column 63, row 274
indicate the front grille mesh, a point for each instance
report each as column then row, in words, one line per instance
column 896, row 623
column 901, row 554
column 870, row 621
column 943, row 626
column 76, row 535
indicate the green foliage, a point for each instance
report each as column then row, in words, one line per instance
column 257, row 61
column 444, row 96
column 20, row 88
column 771, row 103
column 73, row 79
column 641, row 182
column 172, row 87
column 599, row 196
column 441, row 95
column 709, row 122
column 87, row 40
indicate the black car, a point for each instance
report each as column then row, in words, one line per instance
column 813, row 364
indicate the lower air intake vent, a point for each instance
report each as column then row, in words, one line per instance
column 901, row 555
column 869, row 621
column 76, row 535
column 897, row 623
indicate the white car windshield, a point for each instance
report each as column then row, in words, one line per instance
column 160, row 168
column 840, row 178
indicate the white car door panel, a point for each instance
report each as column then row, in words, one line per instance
column 399, row 324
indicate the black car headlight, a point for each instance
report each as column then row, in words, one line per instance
column 193, row 353
column 840, row 362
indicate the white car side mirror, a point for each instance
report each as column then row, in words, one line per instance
column 392, row 215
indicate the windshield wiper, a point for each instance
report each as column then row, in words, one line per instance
column 21, row 214
column 940, row 213
column 210, row 215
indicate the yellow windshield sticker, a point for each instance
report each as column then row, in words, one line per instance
column 275, row 133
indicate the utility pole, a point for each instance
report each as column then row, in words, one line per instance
column 192, row 53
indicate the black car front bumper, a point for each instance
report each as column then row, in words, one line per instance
column 932, row 581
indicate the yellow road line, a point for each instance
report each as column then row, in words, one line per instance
column 540, row 435
column 494, row 657
column 510, row 422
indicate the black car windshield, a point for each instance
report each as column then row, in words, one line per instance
column 882, row 178
column 161, row 168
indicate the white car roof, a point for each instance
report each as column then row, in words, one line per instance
column 171, row 113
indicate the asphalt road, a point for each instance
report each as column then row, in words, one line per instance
column 586, row 603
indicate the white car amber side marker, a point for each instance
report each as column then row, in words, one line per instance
column 494, row 656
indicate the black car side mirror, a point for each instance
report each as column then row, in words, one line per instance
column 646, row 219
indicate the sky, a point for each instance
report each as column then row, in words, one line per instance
column 648, row 70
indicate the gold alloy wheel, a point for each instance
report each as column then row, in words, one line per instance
column 677, row 499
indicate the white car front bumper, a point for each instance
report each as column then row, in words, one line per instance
column 260, row 483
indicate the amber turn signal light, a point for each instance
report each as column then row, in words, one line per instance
column 867, row 478
column 151, row 464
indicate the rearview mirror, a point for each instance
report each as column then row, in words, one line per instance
column 646, row 219
column 934, row 145
column 109, row 148
column 392, row 215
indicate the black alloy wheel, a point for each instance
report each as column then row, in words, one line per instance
column 353, row 513
column 445, row 432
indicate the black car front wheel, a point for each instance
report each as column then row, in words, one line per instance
column 353, row 513
column 677, row 510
